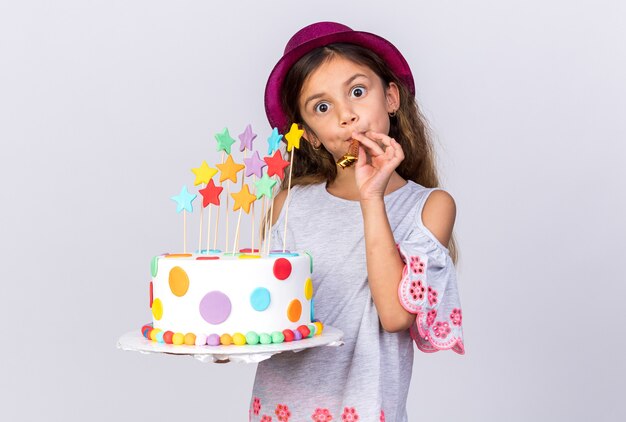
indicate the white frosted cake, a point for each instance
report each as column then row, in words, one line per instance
column 222, row 299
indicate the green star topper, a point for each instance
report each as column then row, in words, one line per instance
column 224, row 141
column 264, row 186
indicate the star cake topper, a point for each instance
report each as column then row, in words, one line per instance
column 243, row 199
column 229, row 169
column 264, row 187
column 204, row 173
column 183, row 200
column 224, row 141
column 274, row 141
column 293, row 137
column 276, row 165
column 254, row 165
column 246, row 139
column 211, row 194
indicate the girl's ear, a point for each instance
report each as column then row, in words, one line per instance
column 309, row 136
column 392, row 95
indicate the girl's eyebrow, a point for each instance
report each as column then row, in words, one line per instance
column 348, row 82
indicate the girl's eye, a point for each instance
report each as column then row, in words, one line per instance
column 358, row 91
column 321, row 108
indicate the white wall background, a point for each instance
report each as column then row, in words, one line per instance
column 106, row 105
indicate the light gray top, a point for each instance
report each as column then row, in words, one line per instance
column 370, row 374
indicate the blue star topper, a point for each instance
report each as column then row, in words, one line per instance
column 274, row 141
column 184, row 200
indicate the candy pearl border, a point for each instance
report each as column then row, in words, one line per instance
column 305, row 331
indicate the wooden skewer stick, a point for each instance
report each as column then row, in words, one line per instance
column 217, row 222
column 208, row 230
column 264, row 226
column 252, row 231
column 269, row 237
column 236, row 241
column 293, row 152
column 184, row 231
column 200, row 234
column 227, row 213
column 217, row 227
column 243, row 173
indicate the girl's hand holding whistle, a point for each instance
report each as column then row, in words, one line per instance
column 379, row 156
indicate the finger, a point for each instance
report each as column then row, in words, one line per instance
column 362, row 159
column 379, row 137
column 373, row 148
column 397, row 148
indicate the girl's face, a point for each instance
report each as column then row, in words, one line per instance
column 341, row 97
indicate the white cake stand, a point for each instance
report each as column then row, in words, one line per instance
column 135, row 342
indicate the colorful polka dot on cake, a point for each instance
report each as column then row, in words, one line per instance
column 215, row 307
column 282, row 268
column 248, row 250
column 260, row 299
column 294, row 310
column 179, row 281
column 154, row 266
column 310, row 262
column 157, row 309
column 308, row 289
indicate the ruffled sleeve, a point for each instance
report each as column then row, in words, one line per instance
column 429, row 290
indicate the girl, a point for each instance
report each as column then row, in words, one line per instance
column 379, row 233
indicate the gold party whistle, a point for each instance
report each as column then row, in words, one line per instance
column 351, row 156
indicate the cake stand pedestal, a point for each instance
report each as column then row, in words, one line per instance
column 135, row 342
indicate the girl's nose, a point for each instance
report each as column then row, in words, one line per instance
column 348, row 117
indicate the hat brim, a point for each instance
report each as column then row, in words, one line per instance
column 383, row 48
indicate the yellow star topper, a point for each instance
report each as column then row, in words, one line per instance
column 229, row 169
column 204, row 173
column 243, row 199
column 293, row 137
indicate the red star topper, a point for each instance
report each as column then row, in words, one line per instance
column 276, row 165
column 211, row 194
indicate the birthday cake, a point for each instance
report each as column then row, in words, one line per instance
column 254, row 296
column 223, row 299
